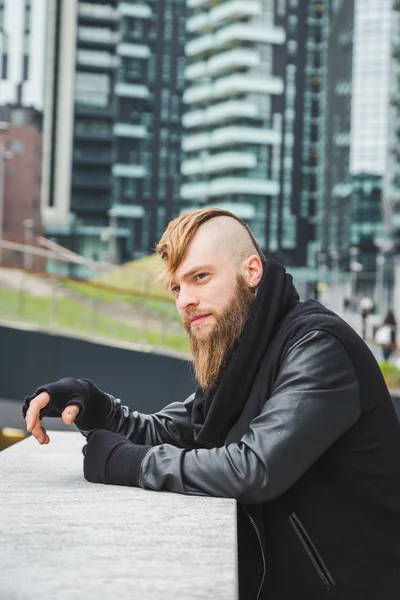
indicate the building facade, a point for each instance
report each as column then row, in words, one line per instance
column 336, row 209
column 22, row 52
column 112, row 124
column 252, row 120
column 22, row 173
column 148, row 128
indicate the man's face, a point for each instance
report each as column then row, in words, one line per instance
column 203, row 286
column 214, row 300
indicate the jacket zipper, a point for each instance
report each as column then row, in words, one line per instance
column 312, row 552
column 252, row 521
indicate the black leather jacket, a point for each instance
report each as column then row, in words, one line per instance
column 315, row 400
column 316, row 475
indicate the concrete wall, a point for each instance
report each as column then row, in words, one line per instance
column 143, row 380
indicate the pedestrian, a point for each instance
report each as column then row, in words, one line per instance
column 386, row 334
column 291, row 417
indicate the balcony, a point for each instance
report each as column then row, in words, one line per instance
column 138, row 11
column 96, row 58
column 229, row 136
column 233, row 59
column 252, row 32
column 230, row 110
column 196, row 71
column 221, row 63
column 97, row 12
column 127, row 211
column 198, row 22
column 130, row 171
column 243, row 185
column 224, row 161
column 194, row 191
column 130, row 90
column 199, row 93
column 241, row 84
column 232, row 135
column 218, row 113
column 130, row 131
column 194, row 118
column 232, row 85
column 200, row 45
column 236, row 9
column 98, row 36
column 133, row 50
column 229, row 186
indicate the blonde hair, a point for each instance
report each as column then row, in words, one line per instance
column 174, row 244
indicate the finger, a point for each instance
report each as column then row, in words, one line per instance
column 70, row 413
column 40, row 434
column 33, row 413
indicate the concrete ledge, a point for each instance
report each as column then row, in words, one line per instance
column 65, row 538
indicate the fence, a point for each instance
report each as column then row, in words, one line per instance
column 126, row 304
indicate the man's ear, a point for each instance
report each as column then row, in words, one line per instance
column 252, row 270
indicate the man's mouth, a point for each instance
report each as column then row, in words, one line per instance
column 197, row 320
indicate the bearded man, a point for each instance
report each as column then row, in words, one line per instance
column 291, row 417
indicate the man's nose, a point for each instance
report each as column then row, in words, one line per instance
column 186, row 298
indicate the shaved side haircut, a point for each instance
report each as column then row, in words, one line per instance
column 229, row 234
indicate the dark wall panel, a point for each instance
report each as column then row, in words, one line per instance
column 143, row 380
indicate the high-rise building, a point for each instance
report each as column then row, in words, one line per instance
column 22, row 52
column 112, row 124
column 360, row 123
column 336, row 210
column 252, row 121
column 150, row 81
column 78, row 122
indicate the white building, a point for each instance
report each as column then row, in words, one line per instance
column 22, row 51
column 232, row 139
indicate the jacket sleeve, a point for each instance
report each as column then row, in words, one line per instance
column 172, row 425
column 314, row 401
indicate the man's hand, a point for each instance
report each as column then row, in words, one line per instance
column 33, row 422
column 111, row 458
column 71, row 399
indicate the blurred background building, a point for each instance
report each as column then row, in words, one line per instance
column 113, row 124
column 23, row 47
column 252, row 120
column 284, row 111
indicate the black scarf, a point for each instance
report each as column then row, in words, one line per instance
column 215, row 412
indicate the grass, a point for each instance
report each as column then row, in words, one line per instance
column 76, row 315
column 136, row 283
column 391, row 374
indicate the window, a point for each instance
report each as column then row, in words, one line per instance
column 92, row 89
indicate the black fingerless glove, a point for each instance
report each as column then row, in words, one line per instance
column 94, row 405
column 111, row 458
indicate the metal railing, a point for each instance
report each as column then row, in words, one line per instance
column 125, row 305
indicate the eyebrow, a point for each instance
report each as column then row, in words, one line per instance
column 192, row 271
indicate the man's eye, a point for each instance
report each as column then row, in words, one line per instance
column 201, row 275
column 175, row 290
